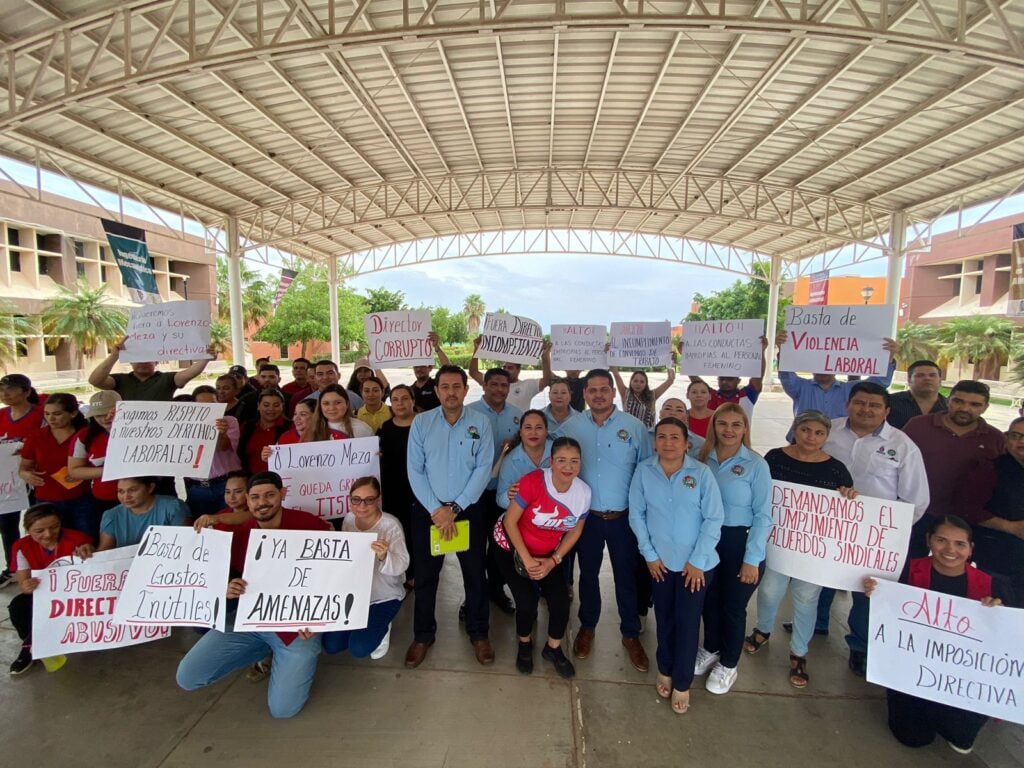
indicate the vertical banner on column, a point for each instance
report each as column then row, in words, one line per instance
column 578, row 347
column 510, row 339
column 640, row 345
column 128, row 245
column 844, row 340
column 317, row 475
column 13, row 491
column 399, row 338
column 174, row 330
column 818, row 294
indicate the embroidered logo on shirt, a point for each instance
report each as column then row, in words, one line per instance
column 690, row 481
column 473, row 432
column 515, row 419
column 737, row 470
column 623, row 435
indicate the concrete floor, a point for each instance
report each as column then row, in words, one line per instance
column 453, row 712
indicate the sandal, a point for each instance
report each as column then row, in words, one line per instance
column 663, row 686
column 258, row 671
column 680, row 701
column 798, row 676
column 756, row 640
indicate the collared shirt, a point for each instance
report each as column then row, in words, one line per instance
column 745, row 482
column 693, row 443
column 557, row 428
column 504, row 428
column 374, row 419
column 611, row 452
column 903, row 407
column 808, row 395
column 885, row 464
column 676, row 519
column 516, row 464
column 449, row 462
column 522, row 392
column 746, row 397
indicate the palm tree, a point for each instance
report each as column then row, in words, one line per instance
column 83, row 317
column 13, row 328
column 257, row 295
column 986, row 341
column 915, row 342
column 473, row 308
column 220, row 337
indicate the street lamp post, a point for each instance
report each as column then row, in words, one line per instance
column 866, row 293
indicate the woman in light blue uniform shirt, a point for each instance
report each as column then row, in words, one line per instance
column 530, row 450
column 676, row 408
column 675, row 510
column 746, row 486
column 559, row 411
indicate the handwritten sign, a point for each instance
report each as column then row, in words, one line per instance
column 155, row 438
column 510, row 339
column 399, row 338
column 641, row 345
column 947, row 649
column 722, row 348
column 826, row 539
column 844, row 340
column 13, row 491
column 177, row 579
column 317, row 475
column 315, row 580
column 578, row 347
column 176, row 330
column 73, row 607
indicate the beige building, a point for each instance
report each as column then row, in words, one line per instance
column 57, row 241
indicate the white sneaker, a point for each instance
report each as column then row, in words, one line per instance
column 705, row 661
column 381, row 650
column 721, row 679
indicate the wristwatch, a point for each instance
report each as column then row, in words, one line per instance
column 456, row 509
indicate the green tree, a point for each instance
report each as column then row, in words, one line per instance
column 915, row 342
column 383, row 300
column 473, row 308
column 743, row 300
column 13, row 328
column 449, row 326
column 84, row 317
column 257, row 294
column 983, row 340
column 220, row 337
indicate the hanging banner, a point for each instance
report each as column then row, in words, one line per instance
column 641, row 345
column 287, row 277
column 1015, row 295
column 952, row 650
column 13, row 491
column 722, row 348
column 578, row 347
column 818, row 288
column 821, row 537
column 162, row 439
column 175, row 330
column 399, row 339
column 510, row 339
column 317, row 476
column 177, row 579
column 128, row 244
column 844, row 340
column 73, row 607
column 314, row 580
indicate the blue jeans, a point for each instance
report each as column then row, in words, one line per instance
column 857, row 640
column 362, row 642
column 78, row 515
column 218, row 654
column 805, row 605
column 205, row 499
column 624, row 553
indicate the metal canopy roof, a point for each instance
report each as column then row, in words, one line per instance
column 325, row 127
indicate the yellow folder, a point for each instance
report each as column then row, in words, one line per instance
column 458, row 543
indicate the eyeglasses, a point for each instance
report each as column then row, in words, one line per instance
column 359, row 501
column 566, row 462
column 1015, row 436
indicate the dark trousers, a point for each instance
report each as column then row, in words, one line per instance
column 76, row 514
column 857, row 640
column 524, row 591
column 918, row 538
column 205, row 499
column 1001, row 555
column 725, row 608
column 623, row 551
column 428, row 573
column 915, row 722
column 20, row 611
column 362, row 642
column 677, row 611
column 491, row 512
column 10, row 532
column 825, row 598
column 644, row 599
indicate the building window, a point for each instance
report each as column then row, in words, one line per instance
column 13, row 236
column 103, row 274
column 15, row 261
column 79, row 248
column 43, row 265
column 80, row 268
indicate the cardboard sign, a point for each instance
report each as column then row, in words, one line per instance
column 399, row 338
column 13, row 491
column 947, row 649
column 317, row 475
column 843, row 340
column 641, row 345
column 578, row 347
column 177, row 579
column 510, row 339
column 177, row 330
column 163, row 439
column 821, row 537
column 722, row 348
column 315, row 580
column 73, row 607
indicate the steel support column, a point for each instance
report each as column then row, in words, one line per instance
column 771, row 329
column 897, row 259
column 234, row 254
column 332, row 285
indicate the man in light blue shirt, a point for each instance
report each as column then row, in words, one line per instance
column 613, row 444
column 449, row 462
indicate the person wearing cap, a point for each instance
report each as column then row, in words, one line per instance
column 88, row 452
column 23, row 411
column 228, row 392
column 144, row 382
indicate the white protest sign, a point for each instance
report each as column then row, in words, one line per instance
column 821, row 537
column 844, row 340
column 175, row 330
column 315, row 580
column 641, row 345
column 177, row 579
column 510, row 339
column 317, row 476
column 13, row 491
column 722, row 348
column 73, row 607
column 952, row 650
column 578, row 347
column 163, row 439
column 399, row 338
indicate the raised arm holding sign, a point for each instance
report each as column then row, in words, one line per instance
column 175, row 330
column 640, row 345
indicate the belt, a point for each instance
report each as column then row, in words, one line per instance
column 609, row 514
column 193, row 481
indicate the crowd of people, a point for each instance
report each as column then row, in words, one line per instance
column 676, row 496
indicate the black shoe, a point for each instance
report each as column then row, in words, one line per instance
column 524, row 658
column 563, row 666
column 462, row 612
column 6, row 577
column 504, row 604
column 859, row 663
column 788, row 626
column 23, row 662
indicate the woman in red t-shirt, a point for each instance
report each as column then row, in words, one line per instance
column 699, row 393
column 302, row 417
column 262, row 431
column 88, row 452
